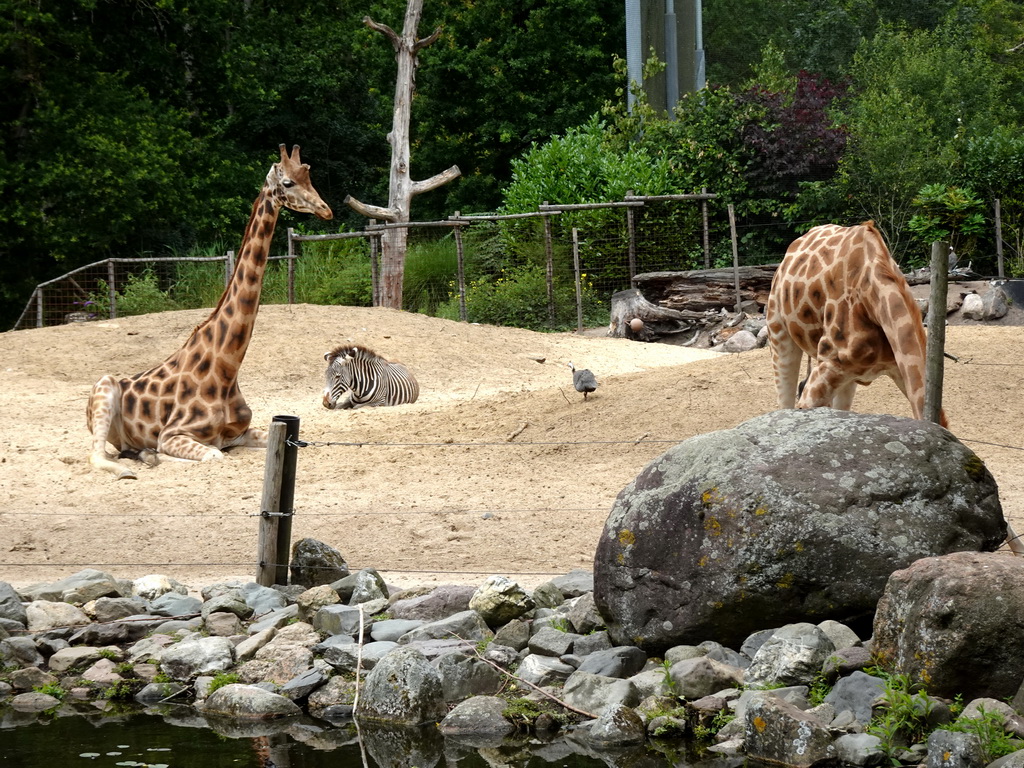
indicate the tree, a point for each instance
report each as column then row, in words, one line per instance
column 401, row 186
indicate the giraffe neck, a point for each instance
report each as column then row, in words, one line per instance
column 228, row 329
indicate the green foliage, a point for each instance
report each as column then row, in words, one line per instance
column 950, row 214
column 220, row 680
column 819, row 689
column 990, row 728
column 430, row 268
column 903, row 718
column 108, row 653
column 141, row 295
column 52, row 689
column 334, row 272
column 707, row 731
column 671, row 687
column 518, row 297
column 122, row 690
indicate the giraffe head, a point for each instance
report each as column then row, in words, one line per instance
column 289, row 184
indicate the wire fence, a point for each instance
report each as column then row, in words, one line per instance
column 579, row 256
column 353, row 513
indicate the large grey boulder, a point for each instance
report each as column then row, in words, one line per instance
column 439, row 603
column 10, row 604
column 402, row 689
column 792, row 656
column 777, row 733
column 797, row 515
column 499, row 600
column 953, row 623
column 199, row 656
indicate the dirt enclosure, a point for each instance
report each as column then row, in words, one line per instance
column 453, row 499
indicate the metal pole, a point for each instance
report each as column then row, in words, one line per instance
column 999, row 239
column 291, row 266
column 284, row 530
column 936, row 332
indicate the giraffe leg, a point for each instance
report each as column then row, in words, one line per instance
column 1013, row 541
column 842, row 398
column 251, row 438
column 822, row 385
column 786, row 356
column 103, row 412
column 187, row 448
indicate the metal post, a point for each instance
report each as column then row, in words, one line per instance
column 999, row 240
column 291, row 266
column 936, row 332
column 284, row 530
column 39, row 307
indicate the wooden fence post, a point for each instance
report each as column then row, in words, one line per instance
column 549, row 266
column 278, row 499
column 735, row 255
column 291, row 266
column 461, row 259
column 266, row 555
column 936, row 331
column 631, row 245
column 999, row 239
column 579, row 279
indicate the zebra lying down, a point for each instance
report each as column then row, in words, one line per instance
column 357, row 377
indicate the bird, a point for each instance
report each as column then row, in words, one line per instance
column 583, row 380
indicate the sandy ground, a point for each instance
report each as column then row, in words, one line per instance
column 449, row 498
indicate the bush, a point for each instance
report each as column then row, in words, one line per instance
column 141, row 296
column 518, row 297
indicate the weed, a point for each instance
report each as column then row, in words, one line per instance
column 220, row 680
column 122, row 690
column 903, row 718
column 671, row 687
column 990, row 730
column 820, row 688
column 52, row 689
column 108, row 653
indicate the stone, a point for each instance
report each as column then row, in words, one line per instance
column 792, row 656
column 948, row 749
column 621, row 661
column 368, row 586
column 778, row 733
column 156, row 585
column 439, row 603
column 597, row 694
column 836, row 503
column 619, row 726
column 10, row 604
column 173, row 603
column 857, row 693
column 465, row 676
column 477, row 715
column 951, row 623
column 315, row 598
column 42, row 615
column 697, row 677
column 467, row 626
column 403, row 688
column 314, row 563
column 248, row 702
column 499, row 600
column 189, row 658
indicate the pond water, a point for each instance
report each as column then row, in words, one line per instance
column 178, row 737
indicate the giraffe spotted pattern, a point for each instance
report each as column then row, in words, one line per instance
column 839, row 298
column 189, row 406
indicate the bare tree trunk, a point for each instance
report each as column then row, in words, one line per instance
column 401, row 186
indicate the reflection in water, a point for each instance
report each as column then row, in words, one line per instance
column 178, row 736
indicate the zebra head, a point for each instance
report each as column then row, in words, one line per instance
column 339, row 376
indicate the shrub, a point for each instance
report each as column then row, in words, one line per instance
column 141, row 295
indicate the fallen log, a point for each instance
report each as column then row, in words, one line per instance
column 703, row 290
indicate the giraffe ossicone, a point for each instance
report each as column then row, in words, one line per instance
column 839, row 298
column 189, row 406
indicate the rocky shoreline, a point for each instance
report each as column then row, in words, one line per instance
column 481, row 665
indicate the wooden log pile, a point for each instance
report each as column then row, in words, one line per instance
column 688, row 307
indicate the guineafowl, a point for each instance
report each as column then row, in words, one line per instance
column 583, row 380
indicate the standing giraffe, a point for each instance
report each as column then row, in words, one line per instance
column 189, row 406
column 839, row 298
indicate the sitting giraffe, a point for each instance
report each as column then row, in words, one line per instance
column 189, row 406
column 839, row 298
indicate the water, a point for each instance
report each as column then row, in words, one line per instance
column 179, row 737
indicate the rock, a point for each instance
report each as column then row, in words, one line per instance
column 30, row 677
column 347, row 657
column 156, row 585
column 223, row 624
column 107, row 609
column 948, row 749
column 467, row 626
column 173, row 603
column 227, row 603
column 315, row 563
column 543, row 670
column 584, row 616
column 952, row 624
column 992, row 306
column 551, row 642
column 34, row 702
column 440, row 603
column 841, row 635
column 574, row 584
column 19, row 651
column 621, row 661
column 618, row 726
column 842, row 663
column 368, row 586
column 832, row 505
column 697, row 677
column 10, row 604
column 860, row 749
column 499, row 600
column 200, row 656
column 792, row 656
column 858, row 694
column 299, row 688
column 402, row 689
column 315, row 598
column 86, row 585
column 475, row 716
column 597, row 694
column 248, row 702
column 741, row 341
column 42, row 615
column 465, row 676
column 262, row 600
column 778, row 733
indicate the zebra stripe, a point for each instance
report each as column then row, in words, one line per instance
column 358, row 376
